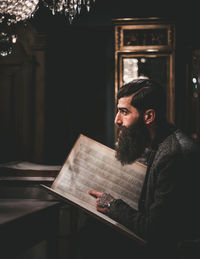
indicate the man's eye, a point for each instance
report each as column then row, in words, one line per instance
column 124, row 112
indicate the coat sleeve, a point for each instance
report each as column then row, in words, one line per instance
column 162, row 209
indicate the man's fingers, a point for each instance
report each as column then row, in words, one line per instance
column 102, row 210
column 95, row 193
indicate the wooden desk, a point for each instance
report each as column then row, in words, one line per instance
column 26, row 222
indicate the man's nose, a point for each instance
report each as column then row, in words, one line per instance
column 118, row 120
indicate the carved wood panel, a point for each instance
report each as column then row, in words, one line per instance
column 22, row 99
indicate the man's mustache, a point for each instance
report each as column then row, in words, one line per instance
column 120, row 129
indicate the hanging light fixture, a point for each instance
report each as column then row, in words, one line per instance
column 14, row 11
column 69, row 8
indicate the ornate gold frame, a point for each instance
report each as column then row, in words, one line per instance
column 146, row 45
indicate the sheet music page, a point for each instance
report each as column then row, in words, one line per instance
column 92, row 165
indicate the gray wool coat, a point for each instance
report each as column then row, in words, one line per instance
column 168, row 206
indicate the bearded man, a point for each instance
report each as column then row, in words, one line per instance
column 168, row 205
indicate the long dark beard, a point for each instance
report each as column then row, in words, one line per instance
column 132, row 142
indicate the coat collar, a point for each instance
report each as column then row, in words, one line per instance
column 162, row 132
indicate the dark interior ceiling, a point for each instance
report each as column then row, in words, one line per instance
column 103, row 11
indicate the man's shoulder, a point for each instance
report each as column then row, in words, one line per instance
column 177, row 149
column 179, row 142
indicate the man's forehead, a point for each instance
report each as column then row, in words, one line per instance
column 126, row 100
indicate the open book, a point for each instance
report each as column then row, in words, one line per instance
column 92, row 165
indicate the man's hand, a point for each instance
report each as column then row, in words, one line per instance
column 103, row 200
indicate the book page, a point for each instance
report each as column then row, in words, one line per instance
column 92, row 165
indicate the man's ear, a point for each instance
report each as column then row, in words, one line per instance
column 149, row 116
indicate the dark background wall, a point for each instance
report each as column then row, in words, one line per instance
column 79, row 70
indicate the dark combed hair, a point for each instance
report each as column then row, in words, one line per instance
column 148, row 94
